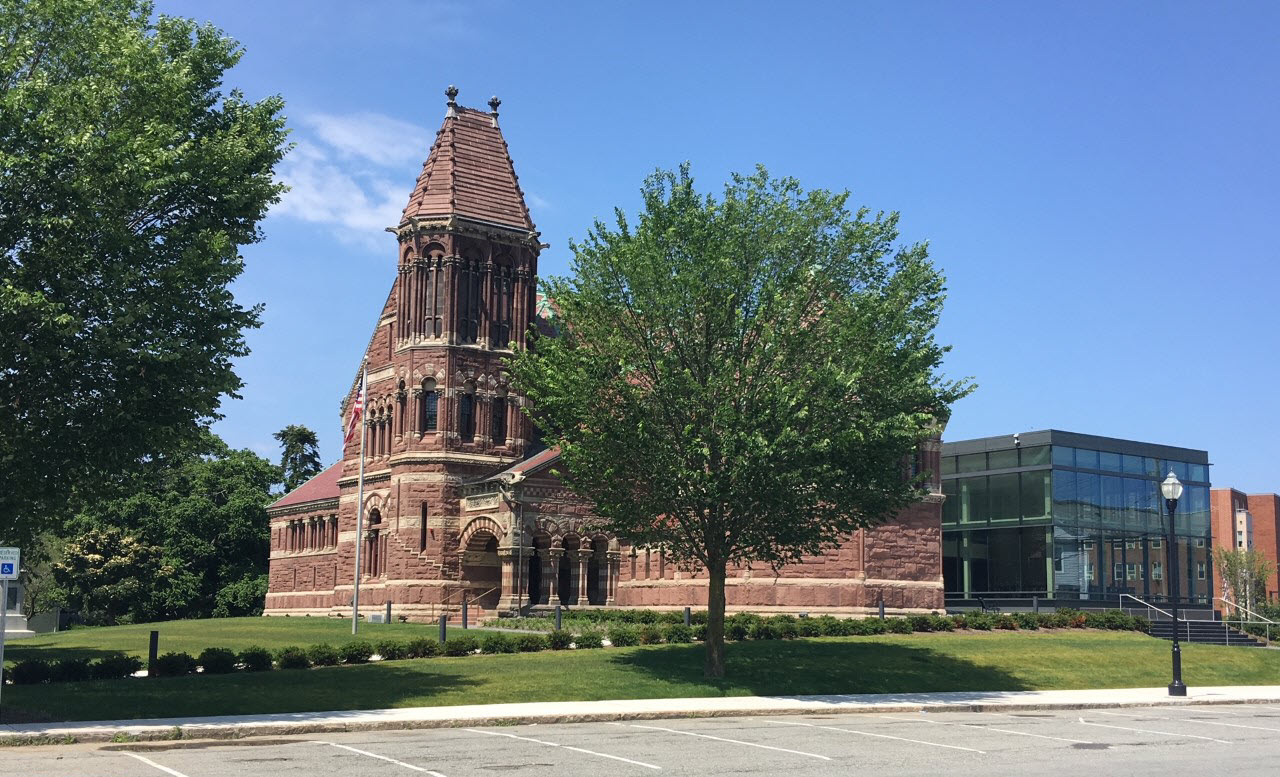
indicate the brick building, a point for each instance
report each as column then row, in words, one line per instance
column 459, row 497
column 1247, row 522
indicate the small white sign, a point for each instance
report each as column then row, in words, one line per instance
column 9, row 563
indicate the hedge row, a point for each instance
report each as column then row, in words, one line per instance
column 742, row 626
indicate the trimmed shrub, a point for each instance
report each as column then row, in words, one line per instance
column 786, row 626
column 174, row 665
column 736, row 629
column 899, row 625
column 1006, row 622
column 623, row 636
column 323, row 654
column 764, row 630
column 461, row 645
column 589, row 639
column 421, row 647
column 980, row 621
column 497, row 642
column 700, row 632
column 1027, row 620
column 560, row 640
column 32, row 671
column 649, row 634
column 293, row 658
column 392, row 650
column 216, row 660
column 256, row 658
column 115, row 667
column 941, row 623
column 829, row 626
column 70, row 670
column 808, row 627
column 358, row 652
column 1071, row 618
column 920, row 622
column 677, row 632
column 1045, row 620
column 1141, row 624
column 532, row 643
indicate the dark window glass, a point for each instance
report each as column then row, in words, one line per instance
column 974, row 500
column 1109, row 461
column 1112, row 500
column 1034, row 492
column 430, row 410
column 1034, row 555
column 971, row 462
column 979, row 564
column 1004, row 498
column 1004, row 554
column 1198, row 473
column 499, row 430
column 952, row 571
column 1002, row 459
column 1181, row 469
column 1066, row 509
column 1035, row 457
column 1089, row 497
column 422, row 529
column 1063, row 456
column 948, row 465
column 951, row 505
column 1086, row 459
column 1132, row 465
column 466, row 417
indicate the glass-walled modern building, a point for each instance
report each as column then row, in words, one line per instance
column 1069, row 516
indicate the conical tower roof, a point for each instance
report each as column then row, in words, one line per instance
column 469, row 172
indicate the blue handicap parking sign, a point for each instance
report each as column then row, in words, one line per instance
column 6, row 568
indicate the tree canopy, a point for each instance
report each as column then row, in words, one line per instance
column 300, row 457
column 741, row 379
column 128, row 181
column 188, row 539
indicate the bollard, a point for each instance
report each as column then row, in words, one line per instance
column 388, row 612
column 1035, row 604
column 153, row 652
column 881, row 606
column 558, row 617
column 464, row 609
column 687, row 619
column 444, row 621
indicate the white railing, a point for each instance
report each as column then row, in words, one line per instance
column 1254, row 617
column 1148, row 605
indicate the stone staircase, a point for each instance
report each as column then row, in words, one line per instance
column 1205, row 632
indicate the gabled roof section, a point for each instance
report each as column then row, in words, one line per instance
column 318, row 489
column 525, row 467
column 469, row 172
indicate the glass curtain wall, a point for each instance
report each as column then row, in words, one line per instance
column 1071, row 524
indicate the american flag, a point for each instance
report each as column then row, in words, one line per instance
column 357, row 412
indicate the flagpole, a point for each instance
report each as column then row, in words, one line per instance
column 355, row 597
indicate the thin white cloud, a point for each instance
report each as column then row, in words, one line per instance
column 537, row 202
column 371, row 136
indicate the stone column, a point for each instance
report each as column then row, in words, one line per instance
column 507, row 599
column 615, row 564
column 584, row 558
column 553, row 575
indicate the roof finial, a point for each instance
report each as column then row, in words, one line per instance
column 494, row 102
column 452, row 94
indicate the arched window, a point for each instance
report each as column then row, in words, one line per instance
column 467, row 415
column 429, row 407
column 501, row 305
column 422, row 529
column 433, row 292
column 469, row 280
column 498, row 422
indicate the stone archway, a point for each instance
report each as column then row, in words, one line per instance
column 481, row 568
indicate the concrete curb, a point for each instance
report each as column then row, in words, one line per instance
column 172, row 730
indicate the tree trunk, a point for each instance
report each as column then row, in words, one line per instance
column 715, row 621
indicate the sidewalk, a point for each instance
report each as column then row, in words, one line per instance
column 238, row 726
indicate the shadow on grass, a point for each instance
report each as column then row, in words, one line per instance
column 353, row 688
column 16, row 651
column 823, row 667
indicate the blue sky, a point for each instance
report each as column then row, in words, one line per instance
column 1097, row 180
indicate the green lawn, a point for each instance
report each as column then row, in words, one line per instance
column 885, row 664
column 195, row 635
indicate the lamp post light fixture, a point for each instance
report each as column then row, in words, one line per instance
column 1171, row 489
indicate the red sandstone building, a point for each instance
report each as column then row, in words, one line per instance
column 458, row 496
column 1247, row 522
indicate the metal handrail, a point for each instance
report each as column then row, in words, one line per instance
column 1242, row 607
column 1148, row 605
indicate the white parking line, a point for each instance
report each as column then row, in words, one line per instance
column 149, row 762
column 1239, row 725
column 381, row 758
column 988, row 728
column 879, row 736
column 732, row 741
column 1196, row 709
column 1149, row 731
column 564, row 747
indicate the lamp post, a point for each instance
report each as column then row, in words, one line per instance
column 1171, row 488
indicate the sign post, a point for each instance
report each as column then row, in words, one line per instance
column 9, row 558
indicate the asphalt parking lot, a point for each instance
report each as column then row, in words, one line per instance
column 1217, row 739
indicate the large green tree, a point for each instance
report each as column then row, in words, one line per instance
column 741, row 379
column 300, row 455
column 128, row 181
column 201, row 518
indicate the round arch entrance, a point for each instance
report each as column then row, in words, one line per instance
column 481, row 569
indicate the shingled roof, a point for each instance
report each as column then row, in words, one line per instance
column 319, row 488
column 469, row 172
